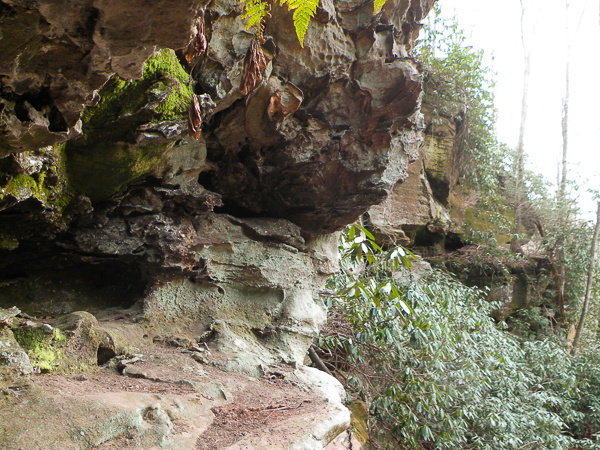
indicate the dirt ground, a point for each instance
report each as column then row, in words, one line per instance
column 162, row 397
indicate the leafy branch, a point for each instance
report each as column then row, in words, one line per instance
column 437, row 372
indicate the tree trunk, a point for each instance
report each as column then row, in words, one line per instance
column 565, row 129
column 559, row 280
column 590, row 283
column 520, row 156
column 565, row 113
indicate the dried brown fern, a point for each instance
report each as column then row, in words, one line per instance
column 254, row 65
column 198, row 44
column 195, row 118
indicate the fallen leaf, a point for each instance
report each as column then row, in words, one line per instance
column 198, row 44
column 283, row 103
column 274, row 105
column 254, row 64
column 195, row 118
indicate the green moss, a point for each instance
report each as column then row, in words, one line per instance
column 51, row 194
column 23, row 185
column 161, row 94
column 20, row 185
column 110, row 167
column 359, row 416
column 58, row 336
column 41, row 346
column 106, row 158
column 8, row 243
column 482, row 225
column 53, row 351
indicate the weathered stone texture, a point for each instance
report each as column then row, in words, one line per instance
column 422, row 204
column 54, row 56
column 234, row 230
column 108, row 207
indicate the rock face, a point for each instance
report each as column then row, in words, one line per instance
column 164, row 398
column 426, row 210
column 118, row 229
column 431, row 212
column 56, row 55
column 13, row 359
column 100, row 184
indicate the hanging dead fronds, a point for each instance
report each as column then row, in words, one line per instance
column 195, row 118
column 198, row 44
column 254, row 65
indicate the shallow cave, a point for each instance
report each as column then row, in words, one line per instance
column 453, row 242
column 427, row 243
column 61, row 284
column 440, row 188
column 105, row 354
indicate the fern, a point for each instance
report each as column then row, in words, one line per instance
column 378, row 5
column 304, row 11
column 255, row 11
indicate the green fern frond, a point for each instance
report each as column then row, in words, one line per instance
column 304, row 10
column 378, row 5
column 255, row 11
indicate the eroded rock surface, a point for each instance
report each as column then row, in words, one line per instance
column 13, row 359
column 109, row 207
column 223, row 228
column 56, row 55
column 424, row 211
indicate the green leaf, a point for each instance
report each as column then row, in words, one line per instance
column 366, row 232
column 255, row 11
column 405, row 307
column 358, row 239
column 304, row 10
column 351, row 233
column 378, row 5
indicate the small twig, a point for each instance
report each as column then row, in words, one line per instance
column 282, row 408
column 329, row 365
column 317, row 361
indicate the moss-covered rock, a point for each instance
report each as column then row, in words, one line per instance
column 71, row 346
column 33, row 189
column 359, row 415
column 110, row 166
column 163, row 93
column 8, row 243
column 113, row 151
column 24, row 186
column 13, row 360
column 44, row 346
column 39, row 175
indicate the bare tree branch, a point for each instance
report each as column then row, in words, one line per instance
column 590, row 283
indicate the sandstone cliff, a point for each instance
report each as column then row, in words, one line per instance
column 108, row 206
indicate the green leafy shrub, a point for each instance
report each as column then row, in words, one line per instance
column 438, row 372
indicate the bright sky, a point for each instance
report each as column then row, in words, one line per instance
column 495, row 28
